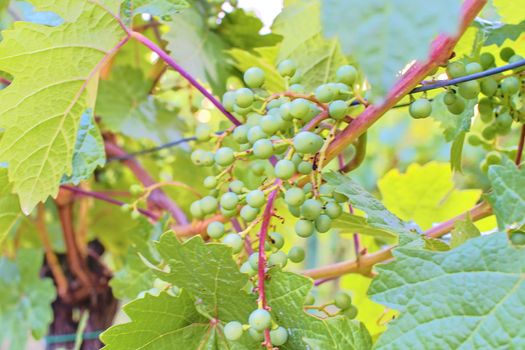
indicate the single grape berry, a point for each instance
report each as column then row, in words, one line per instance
column 489, row 132
column 229, row 200
column 487, row 60
column 256, row 133
column 517, row 238
column 296, row 254
column 279, row 336
column 342, row 300
column 224, row 156
column 325, row 93
column 294, row 196
column 493, row 157
column 247, row 269
column 136, row 189
column 456, row 69
column 295, row 211
column 449, row 98
column 351, row 312
column 254, row 77
column 304, row 228
column 210, row 182
column 503, row 123
column 473, row 67
column 457, row 107
column 474, row 140
column 299, row 108
column 240, row 134
column 203, row 132
column 209, row 204
column 297, row 89
column 485, row 106
column 260, row 320
column 196, row 210
column 236, row 186
column 346, row 74
column 304, row 168
column 257, row 169
column 249, row 213
column 420, row 108
column 284, row 169
column 263, row 149
column 256, row 335
column 277, row 240
column 287, row 68
column 337, row 109
column 323, row 223
column 307, row 142
column 506, row 53
column 228, row 100
column 233, row 330
column 270, row 124
column 215, row 230
column 488, row 86
column 244, row 97
column 255, row 198
column 311, row 209
column 278, row 258
column 234, row 241
column 228, row 213
column 469, row 89
column 510, row 85
column 333, row 210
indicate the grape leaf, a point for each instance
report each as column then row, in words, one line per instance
column 471, row 297
column 453, row 125
column 89, row 151
column 462, row 232
column 9, row 208
column 511, row 11
column 303, row 42
column 349, row 223
column 40, row 111
column 25, row 305
column 425, row 194
column 161, row 8
column 508, row 193
column 286, row 293
column 497, row 33
column 384, row 36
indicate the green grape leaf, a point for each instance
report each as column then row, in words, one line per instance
column 497, row 33
column 462, row 232
column 41, row 110
column 9, row 208
column 264, row 58
column 435, row 244
column 377, row 215
column 508, row 193
column 161, row 8
column 286, row 293
column 511, row 11
column 350, row 223
column 26, row 300
column 471, row 297
column 385, row 36
column 89, row 151
column 303, row 42
column 453, row 125
column 241, row 30
column 425, row 194
column 209, row 274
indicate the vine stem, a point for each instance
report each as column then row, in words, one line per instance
column 440, row 52
column 365, row 263
column 171, row 62
column 519, row 153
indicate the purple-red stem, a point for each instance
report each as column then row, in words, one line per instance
column 171, row 62
column 520, row 146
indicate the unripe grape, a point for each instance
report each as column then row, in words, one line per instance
column 337, row 109
column 487, row 60
column 351, row 312
column 297, row 89
column 203, row 132
column 256, row 198
column 420, row 108
column 449, row 98
column 506, row 53
column 254, row 77
column 249, row 213
column 228, row 213
column 488, row 86
column 311, row 209
column 240, row 134
column 325, row 93
column 197, row 156
column 284, row 169
column 233, row 330
column 234, row 241
column 228, row 100
column 244, row 97
column 333, row 210
column 257, row 169
column 342, row 300
column 278, row 258
column 346, row 74
column 307, row 188
column 270, row 124
column 128, row 208
column 229, row 200
column 456, row 69
column 295, row 211
column 304, row 168
column 510, row 85
column 276, row 103
column 247, row 269
column 209, row 204
column 323, row 223
column 263, row 149
column 285, row 111
column 469, row 89
column 256, row 335
column 297, row 158
column 236, row 186
column 473, row 67
column 210, row 182
column 224, row 156
column 260, row 320
column 277, row 240
column 294, row 196
column 299, row 108
column 489, row 132
column 485, row 106
column 242, row 111
column 279, row 336
column 493, row 157
column 256, row 133
column 296, row 254
column 304, row 228
column 253, row 260
column 457, row 107
column 196, row 210
column 514, row 59
column 307, row 142
column 517, row 238
column 287, row 68
column 136, row 189
column 215, row 230
column 474, row 140
column 503, row 123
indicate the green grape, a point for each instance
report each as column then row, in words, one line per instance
column 457, row 107
column 299, row 108
column 278, row 258
column 197, row 156
column 307, row 142
column 487, row 60
column 244, row 97
column 351, row 312
column 506, row 53
column 304, row 228
column 257, row 336
column 517, row 238
column 294, row 196
column 493, row 157
column 215, row 230
column 296, row 254
column 242, row 111
column 196, row 210
column 469, row 89
column 263, row 149
column 228, row 213
column 249, row 213
column 270, row 124
column 309, row 300
column 473, row 67
column 260, row 320
column 346, row 74
column 337, row 109
column 253, row 260
column 488, row 86
column 342, row 300
column 128, row 208
column 229, row 200
column 234, row 241
column 510, row 85
column 304, row 168
column 485, row 106
column 247, row 269
column 224, row 156
column 296, row 159
column 233, row 330
column 285, row 111
column 503, row 123
column 209, row 204
column 487, row 117
column 256, row 198
column 489, row 132
column 256, row 133
column 214, row 193
column 277, row 240
column 297, row 89
column 278, row 336
column 474, row 140
column 313, row 111
column 449, row 98
column 228, row 100
column 287, row 68
column 136, row 190
column 210, row 182
column 295, row 211
column 420, row 108
column 333, row 210
column 236, row 186
column 254, row 77
column 311, row 209
column 203, row 132
column 275, row 103
column 307, row 188
column 323, row 223
column 240, row 134
column 514, row 59
column 325, row 93
column 284, row 169
column 257, row 169
column 455, row 69
column 135, row 214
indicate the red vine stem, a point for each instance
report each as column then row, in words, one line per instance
column 171, row 62
column 519, row 154
column 440, row 52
